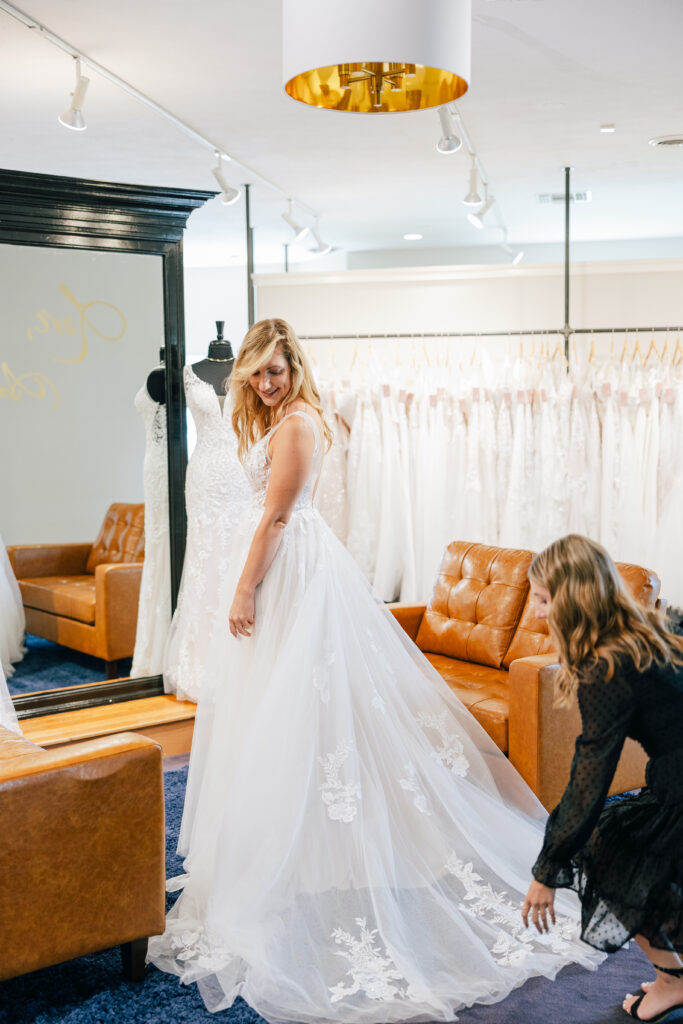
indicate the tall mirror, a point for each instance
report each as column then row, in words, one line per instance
column 92, row 517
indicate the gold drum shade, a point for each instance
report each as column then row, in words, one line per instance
column 376, row 86
column 324, row 44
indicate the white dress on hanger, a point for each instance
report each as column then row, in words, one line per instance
column 330, row 497
column 363, row 485
column 154, row 608
column 357, row 848
column 389, row 564
column 667, row 558
column 12, row 618
column 216, row 492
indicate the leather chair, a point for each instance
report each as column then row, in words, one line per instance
column 85, row 596
column 83, row 850
column 480, row 633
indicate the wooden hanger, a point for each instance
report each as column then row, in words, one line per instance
column 591, row 354
column 636, row 349
column 624, row 349
column 652, row 348
column 558, row 350
column 677, row 356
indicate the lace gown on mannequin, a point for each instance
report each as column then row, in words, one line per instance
column 357, row 849
column 216, row 491
column 154, row 609
column 12, row 619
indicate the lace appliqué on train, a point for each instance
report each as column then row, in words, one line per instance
column 513, row 942
column 451, row 751
column 371, row 970
column 339, row 797
column 412, row 785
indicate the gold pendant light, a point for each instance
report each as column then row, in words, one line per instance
column 418, row 50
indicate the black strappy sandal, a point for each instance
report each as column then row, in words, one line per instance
column 674, row 1013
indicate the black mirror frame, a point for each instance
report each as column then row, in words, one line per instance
column 73, row 213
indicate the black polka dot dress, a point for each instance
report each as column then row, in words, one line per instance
column 625, row 860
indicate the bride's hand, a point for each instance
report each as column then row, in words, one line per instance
column 241, row 616
column 540, row 903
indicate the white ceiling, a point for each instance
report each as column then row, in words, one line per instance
column 545, row 75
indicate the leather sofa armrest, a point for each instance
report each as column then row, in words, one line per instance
column 87, row 836
column 117, row 592
column 541, row 736
column 409, row 616
column 29, row 560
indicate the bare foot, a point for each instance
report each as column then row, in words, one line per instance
column 659, row 996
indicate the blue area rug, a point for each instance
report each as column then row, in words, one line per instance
column 90, row 990
column 48, row 666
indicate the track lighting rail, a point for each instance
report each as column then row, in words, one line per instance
column 110, row 76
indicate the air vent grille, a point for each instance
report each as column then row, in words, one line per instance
column 558, row 197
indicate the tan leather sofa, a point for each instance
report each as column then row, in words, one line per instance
column 82, row 847
column 85, row 596
column 480, row 633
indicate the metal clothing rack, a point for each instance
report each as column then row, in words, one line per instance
column 566, row 332
column 486, row 334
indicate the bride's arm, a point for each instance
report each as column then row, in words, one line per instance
column 291, row 459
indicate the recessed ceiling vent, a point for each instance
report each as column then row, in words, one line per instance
column 667, row 140
column 558, row 197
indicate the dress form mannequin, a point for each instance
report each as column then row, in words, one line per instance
column 217, row 366
column 156, row 381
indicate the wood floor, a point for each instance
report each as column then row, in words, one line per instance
column 168, row 721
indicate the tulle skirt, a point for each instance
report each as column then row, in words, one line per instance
column 12, row 620
column 357, row 849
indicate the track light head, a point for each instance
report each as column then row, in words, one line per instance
column 300, row 230
column 229, row 195
column 517, row 257
column 473, row 198
column 449, row 141
column 477, row 219
column 322, row 247
column 73, row 117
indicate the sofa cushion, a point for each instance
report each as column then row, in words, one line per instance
column 476, row 603
column 483, row 690
column 121, row 537
column 531, row 636
column 72, row 597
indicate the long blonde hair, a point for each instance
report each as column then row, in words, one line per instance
column 593, row 617
column 251, row 418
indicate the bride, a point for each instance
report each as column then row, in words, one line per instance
column 356, row 848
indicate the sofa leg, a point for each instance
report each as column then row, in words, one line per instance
column 112, row 669
column 133, row 956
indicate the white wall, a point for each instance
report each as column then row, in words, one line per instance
column 80, row 332
column 214, row 293
column 442, row 299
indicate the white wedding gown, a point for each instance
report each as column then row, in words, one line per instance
column 154, row 608
column 216, row 492
column 357, row 849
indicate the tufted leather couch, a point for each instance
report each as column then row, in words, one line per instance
column 480, row 633
column 83, row 847
column 85, row 596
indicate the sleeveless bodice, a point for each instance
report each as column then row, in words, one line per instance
column 257, row 464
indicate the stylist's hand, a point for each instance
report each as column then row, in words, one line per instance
column 241, row 616
column 540, row 903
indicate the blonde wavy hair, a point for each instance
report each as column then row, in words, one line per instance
column 251, row 418
column 593, row 618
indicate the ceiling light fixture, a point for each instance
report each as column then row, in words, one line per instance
column 322, row 247
column 73, row 117
column 608, row 129
column 300, row 230
column 380, row 57
column 477, row 219
column 473, row 198
column 517, row 256
column 412, row 238
column 229, row 195
column 449, row 141
column 667, row 140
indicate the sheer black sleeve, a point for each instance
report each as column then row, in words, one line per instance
column 606, row 712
